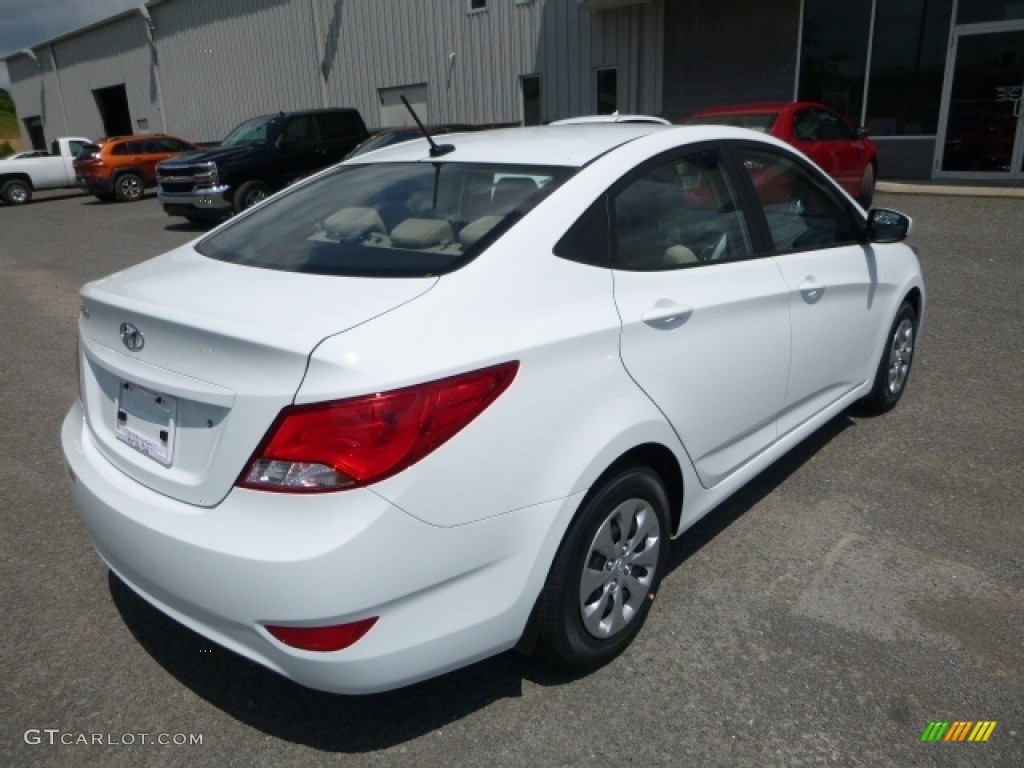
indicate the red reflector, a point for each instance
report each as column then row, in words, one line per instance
column 346, row 443
column 334, row 638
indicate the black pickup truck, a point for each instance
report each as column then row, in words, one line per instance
column 258, row 158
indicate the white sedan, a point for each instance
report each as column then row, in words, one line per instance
column 428, row 406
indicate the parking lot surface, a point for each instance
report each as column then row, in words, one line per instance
column 870, row 583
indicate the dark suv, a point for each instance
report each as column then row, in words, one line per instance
column 121, row 167
column 258, row 158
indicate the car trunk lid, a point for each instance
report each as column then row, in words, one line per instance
column 186, row 361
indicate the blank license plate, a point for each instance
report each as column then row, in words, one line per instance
column 146, row 421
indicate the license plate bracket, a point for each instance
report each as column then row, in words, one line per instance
column 146, row 420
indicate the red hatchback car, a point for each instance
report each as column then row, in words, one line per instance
column 844, row 152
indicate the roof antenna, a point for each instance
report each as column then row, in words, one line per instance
column 436, row 150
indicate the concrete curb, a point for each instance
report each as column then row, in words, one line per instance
column 949, row 190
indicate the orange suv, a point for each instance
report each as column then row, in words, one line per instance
column 120, row 168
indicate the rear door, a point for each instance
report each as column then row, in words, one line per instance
column 300, row 147
column 705, row 323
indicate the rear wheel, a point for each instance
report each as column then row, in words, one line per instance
column 894, row 366
column 607, row 571
column 249, row 194
column 128, row 188
column 16, row 192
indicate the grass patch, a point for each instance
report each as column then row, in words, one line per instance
column 8, row 117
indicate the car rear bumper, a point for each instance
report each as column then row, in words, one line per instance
column 94, row 185
column 445, row 596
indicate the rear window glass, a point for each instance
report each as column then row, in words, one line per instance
column 386, row 219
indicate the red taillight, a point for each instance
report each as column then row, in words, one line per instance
column 347, row 443
column 333, row 638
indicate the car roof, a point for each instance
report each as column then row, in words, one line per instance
column 566, row 145
column 613, row 118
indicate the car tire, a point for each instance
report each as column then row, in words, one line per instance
column 607, row 570
column 128, row 188
column 867, row 186
column 249, row 194
column 16, row 192
column 894, row 366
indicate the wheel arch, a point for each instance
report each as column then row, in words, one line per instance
column 652, row 455
column 663, row 463
column 17, row 176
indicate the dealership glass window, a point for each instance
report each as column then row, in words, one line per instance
column 833, row 57
column 908, row 56
column 531, row 99
column 974, row 11
column 607, row 91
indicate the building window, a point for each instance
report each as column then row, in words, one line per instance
column 908, row 58
column 477, row 5
column 833, row 58
column 530, row 85
column 607, row 91
column 975, row 11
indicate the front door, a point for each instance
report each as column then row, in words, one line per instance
column 983, row 132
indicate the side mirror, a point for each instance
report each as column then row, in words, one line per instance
column 862, row 132
column 885, row 226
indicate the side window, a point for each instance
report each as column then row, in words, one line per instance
column 299, row 130
column 805, row 125
column 832, row 127
column 682, row 213
column 337, row 125
column 801, row 209
column 74, row 147
column 587, row 239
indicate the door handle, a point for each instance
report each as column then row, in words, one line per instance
column 666, row 315
column 811, row 290
column 1016, row 106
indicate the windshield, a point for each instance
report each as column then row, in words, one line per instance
column 386, row 219
column 761, row 122
column 259, row 130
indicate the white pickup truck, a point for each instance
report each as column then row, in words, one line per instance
column 20, row 177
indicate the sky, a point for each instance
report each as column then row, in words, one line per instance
column 24, row 23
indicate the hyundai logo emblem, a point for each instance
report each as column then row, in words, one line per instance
column 132, row 337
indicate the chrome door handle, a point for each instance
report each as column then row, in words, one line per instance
column 666, row 315
column 812, row 290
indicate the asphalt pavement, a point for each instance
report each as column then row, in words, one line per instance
column 863, row 587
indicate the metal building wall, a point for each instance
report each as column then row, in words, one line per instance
column 35, row 90
column 113, row 54
column 222, row 62
column 202, row 66
column 368, row 45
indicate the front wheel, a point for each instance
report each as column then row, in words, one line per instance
column 16, row 192
column 249, row 194
column 606, row 572
column 894, row 366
